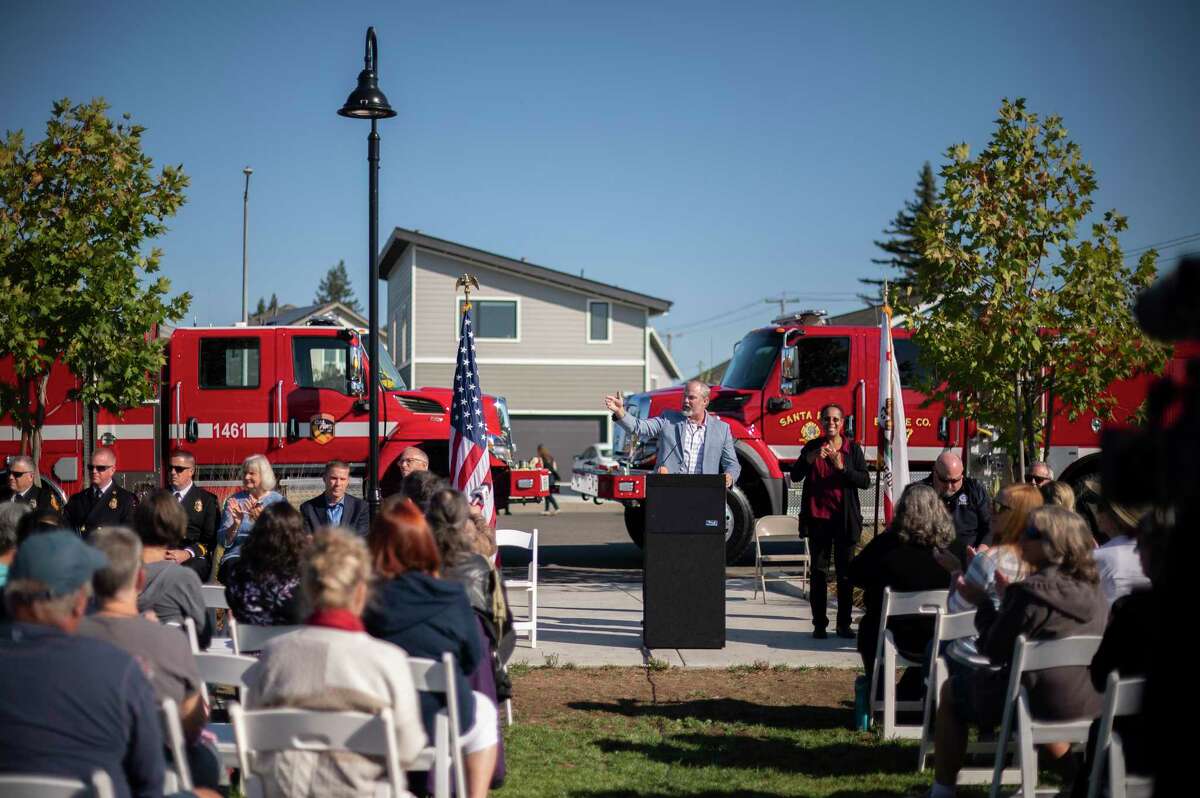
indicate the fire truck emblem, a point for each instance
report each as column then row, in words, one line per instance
column 321, row 427
column 809, row 431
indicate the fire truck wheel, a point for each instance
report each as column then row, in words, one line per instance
column 635, row 524
column 739, row 521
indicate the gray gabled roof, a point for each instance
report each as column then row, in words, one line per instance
column 401, row 239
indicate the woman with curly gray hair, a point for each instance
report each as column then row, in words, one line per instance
column 902, row 558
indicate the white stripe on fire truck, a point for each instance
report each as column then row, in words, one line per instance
column 914, row 452
column 267, row 429
column 50, row 432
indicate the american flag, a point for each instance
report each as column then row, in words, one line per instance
column 470, row 466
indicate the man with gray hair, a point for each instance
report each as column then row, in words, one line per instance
column 699, row 444
column 10, row 517
column 20, row 487
column 70, row 705
column 162, row 651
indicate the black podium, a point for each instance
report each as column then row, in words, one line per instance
column 683, row 578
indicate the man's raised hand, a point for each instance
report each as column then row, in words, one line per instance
column 614, row 405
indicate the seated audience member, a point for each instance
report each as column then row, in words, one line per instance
column 902, row 558
column 70, row 705
column 427, row 616
column 1117, row 559
column 11, row 514
column 1039, row 474
column 419, row 486
column 263, row 585
column 1059, row 493
column 332, row 664
column 242, row 509
column 413, row 459
column 1133, row 620
column 1010, row 512
column 171, row 591
column 163, row 652
column 1060, row 598
column 43, row 519
column 336, row 507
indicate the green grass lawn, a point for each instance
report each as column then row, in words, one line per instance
column 740, row 732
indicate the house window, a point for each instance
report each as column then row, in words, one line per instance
column 599, row 322
column 492, row 319
column 229, row 363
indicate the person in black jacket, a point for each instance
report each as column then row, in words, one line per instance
column 833, row 469
column 21, row 488
column 902, row 558
column 336, row 507
column 103, row 502
column 203, row 515
column 966, row 500
column 426, row 616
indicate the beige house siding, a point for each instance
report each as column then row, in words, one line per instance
column 660, row 377
column 552, row 321
column 554, row 388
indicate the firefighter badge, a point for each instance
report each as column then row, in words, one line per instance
column 197, row 507
column 33, row 504
column 809, row 431
column 112, row 503
column 321, row 428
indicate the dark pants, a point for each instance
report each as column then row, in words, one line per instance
column 824, row 539
column 202, row 566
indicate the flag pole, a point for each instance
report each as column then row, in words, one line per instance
column 887, row 422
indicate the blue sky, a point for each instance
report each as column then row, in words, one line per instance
column 712, row 153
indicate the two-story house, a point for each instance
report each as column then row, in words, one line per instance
column 551, row 342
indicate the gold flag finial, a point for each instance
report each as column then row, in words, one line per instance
column 467, row 283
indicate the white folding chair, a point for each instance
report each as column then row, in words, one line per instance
column 228, row 670
column 947, row 627
column 1122, row 697
column 179, row 776
column 214, row 597
column 778, row 526
column 888, row 657
column 263, row 731
column 251, row 639
column 524, row 540
column 1038, row 655
column 446, row 753
column 32, row 785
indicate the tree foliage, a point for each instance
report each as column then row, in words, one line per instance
column 903, row 249
column 1025, row 307
column 76, row 211
column 335, row 287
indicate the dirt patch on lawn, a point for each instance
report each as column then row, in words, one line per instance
column 808, row 698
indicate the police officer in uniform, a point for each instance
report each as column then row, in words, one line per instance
column 21, row 487
column 203, row 515
column 103, row 503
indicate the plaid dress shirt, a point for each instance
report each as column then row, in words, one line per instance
column 693, row 447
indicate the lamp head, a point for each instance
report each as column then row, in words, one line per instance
column 367, row 101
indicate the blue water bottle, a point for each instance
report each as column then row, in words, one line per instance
column 862, row 703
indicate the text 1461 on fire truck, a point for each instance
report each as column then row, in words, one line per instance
column 771, row 394
column 295, row 394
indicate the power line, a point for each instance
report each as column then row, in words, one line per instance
column 829, row 296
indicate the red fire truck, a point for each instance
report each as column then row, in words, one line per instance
column 295, row 394
column 777, row 381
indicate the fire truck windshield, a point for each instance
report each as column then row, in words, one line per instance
column 752, row 360
column 389, row 377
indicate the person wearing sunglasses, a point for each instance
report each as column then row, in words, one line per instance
column 21, row 488
column 965, row 498
column 833, row 469
column 203, row 515
column 103, row 503
column 1039, row 474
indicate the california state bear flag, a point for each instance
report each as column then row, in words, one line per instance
column 893, row 436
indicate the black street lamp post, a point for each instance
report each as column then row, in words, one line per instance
column 368, row 102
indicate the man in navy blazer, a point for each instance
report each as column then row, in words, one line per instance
column 700, row 444
column 335, row 507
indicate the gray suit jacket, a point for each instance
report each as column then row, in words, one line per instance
column 717, row 456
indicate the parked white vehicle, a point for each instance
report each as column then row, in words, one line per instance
column 597, row 456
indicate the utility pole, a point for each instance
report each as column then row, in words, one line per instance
column 245, row 268
column 782, row 300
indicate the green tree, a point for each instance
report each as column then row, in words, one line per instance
column 335, row 287
column 903, row 249
column 76, row 212
column 260, row 308
column 1023, row 307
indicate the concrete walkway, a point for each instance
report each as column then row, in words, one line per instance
column 592, row 618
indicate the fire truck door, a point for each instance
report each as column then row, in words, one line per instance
column 324, row 417
column 220, row 400
column 823, row 375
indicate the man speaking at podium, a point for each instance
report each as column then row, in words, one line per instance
column 700, row 444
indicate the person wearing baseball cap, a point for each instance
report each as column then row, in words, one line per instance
column 70, row 705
